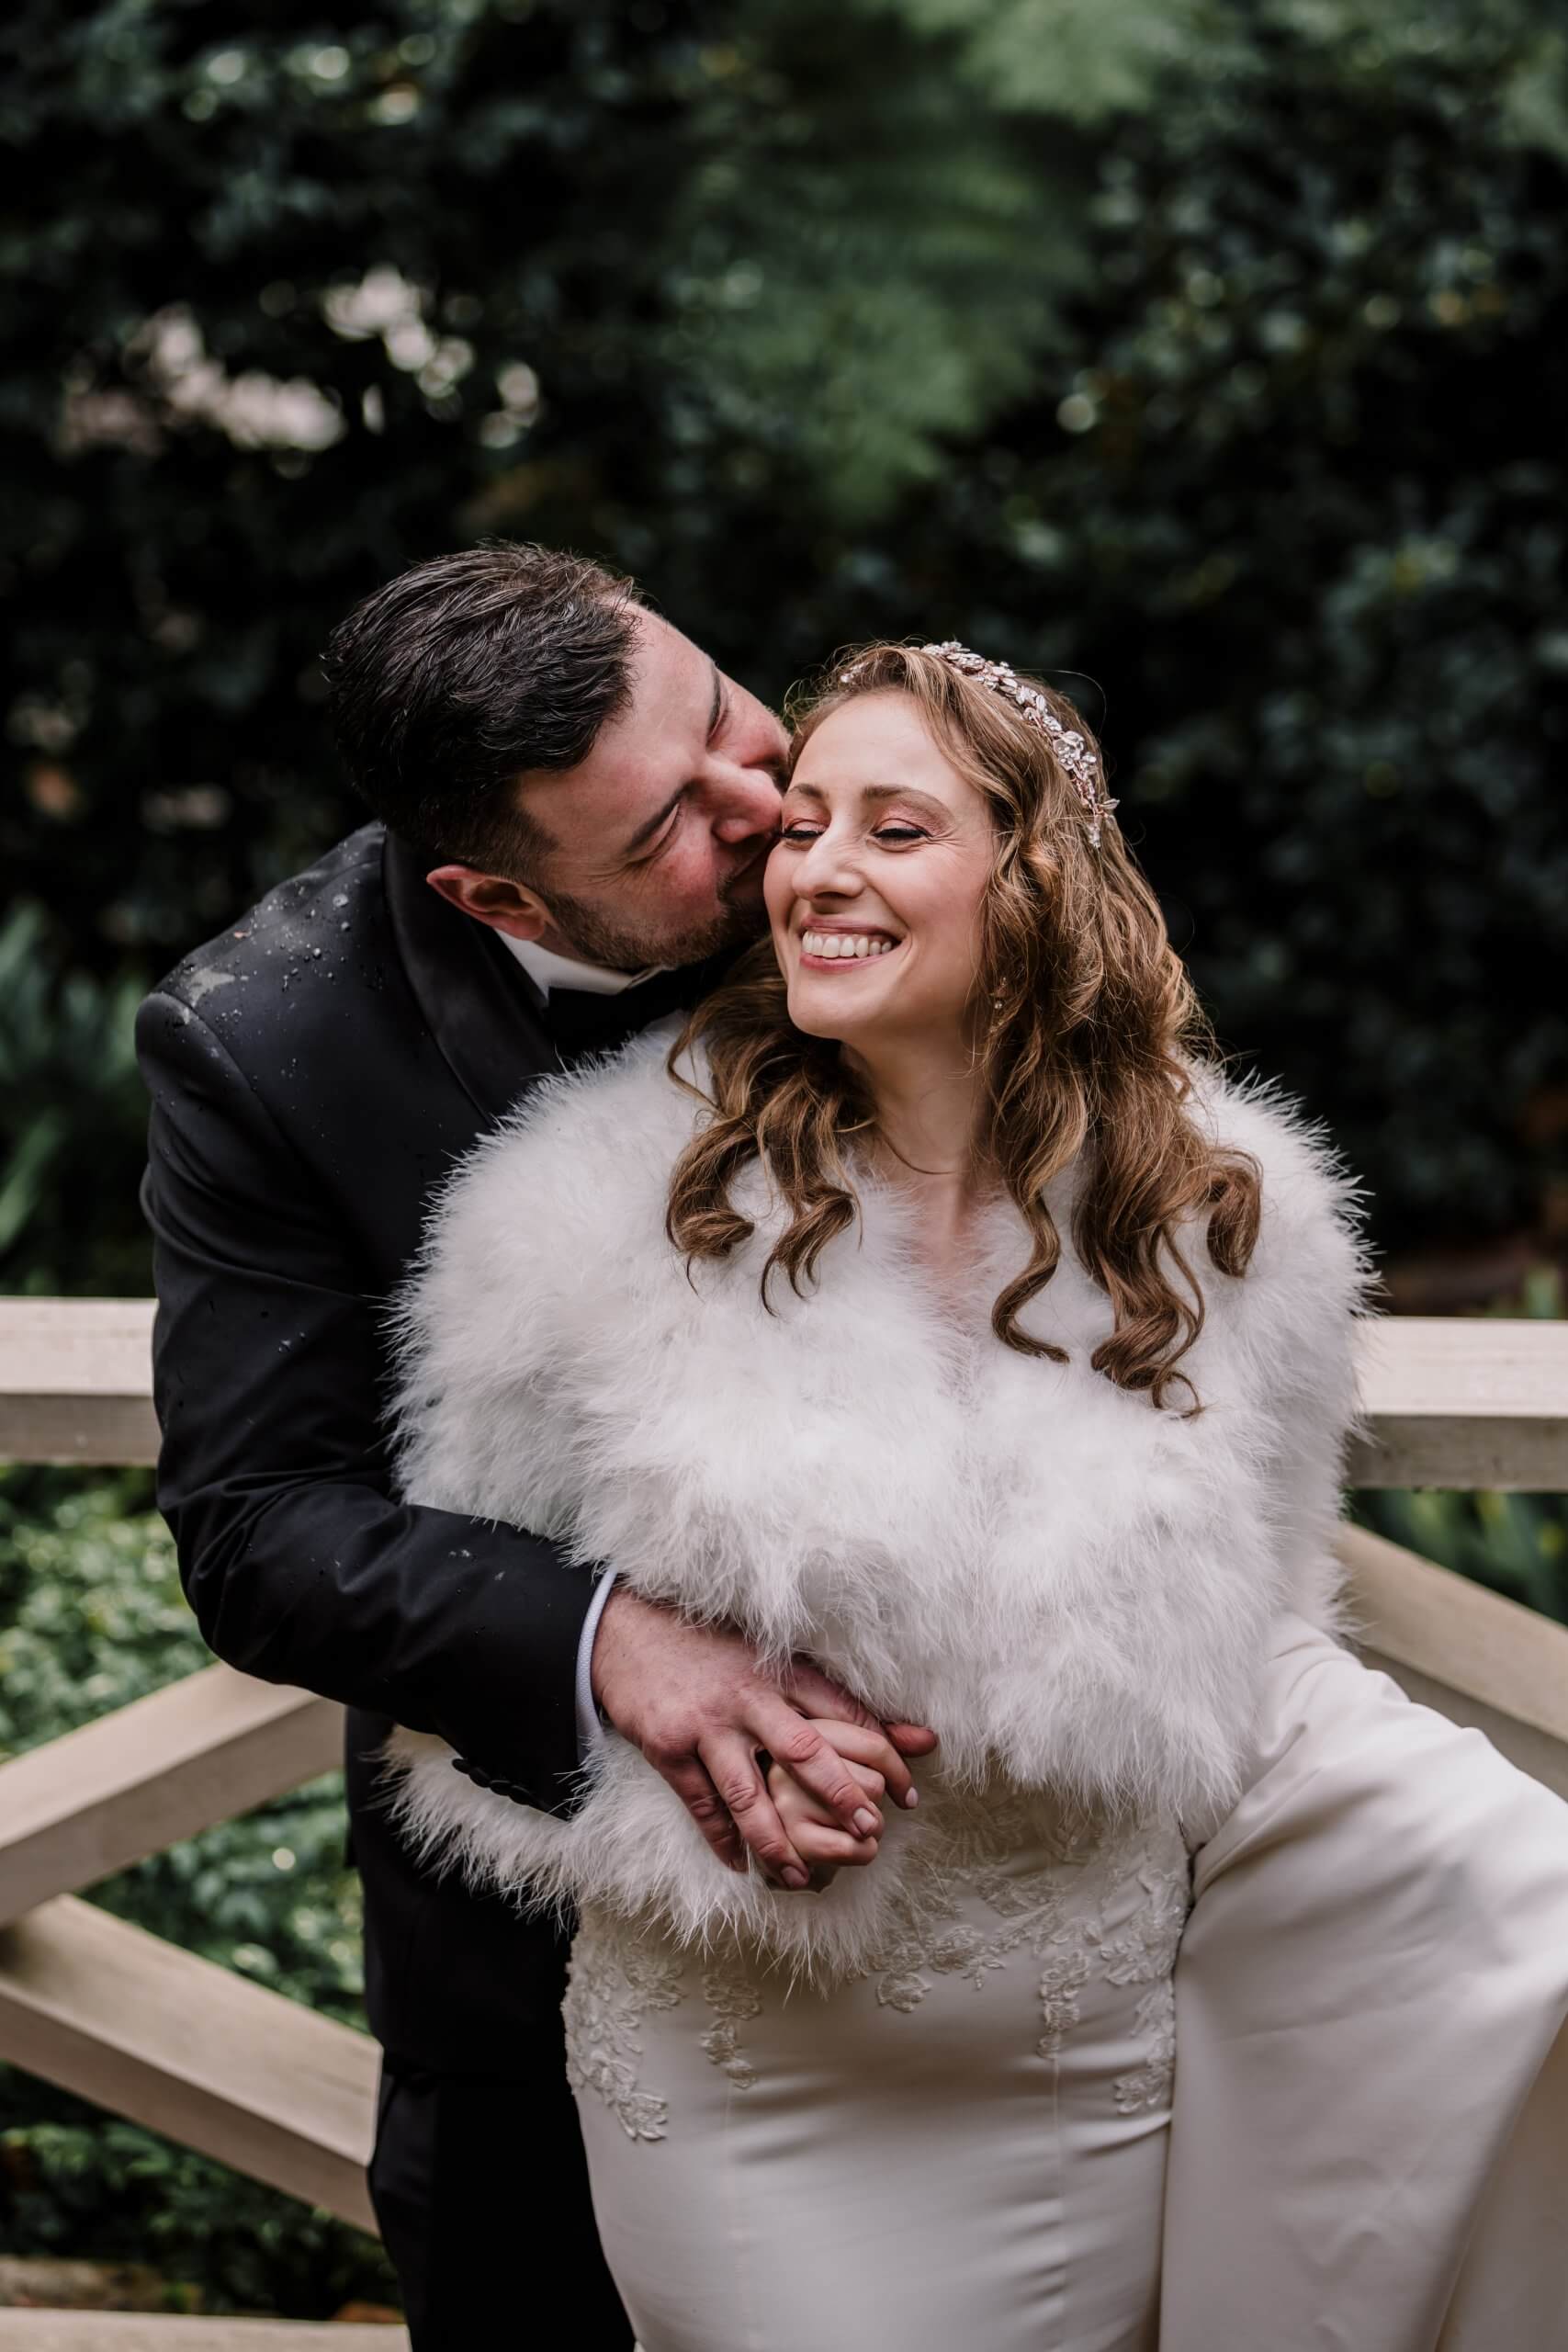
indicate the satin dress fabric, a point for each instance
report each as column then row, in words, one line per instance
column 1303, row 2088
column 964, row 2147
column 1370, row 2131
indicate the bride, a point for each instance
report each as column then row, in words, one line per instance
column 936, row 1304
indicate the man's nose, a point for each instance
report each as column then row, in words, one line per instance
column 746, row 804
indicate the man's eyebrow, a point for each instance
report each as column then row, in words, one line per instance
column 647, row 830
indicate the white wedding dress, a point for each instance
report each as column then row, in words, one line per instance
column 1211, row 1999
column 1312, row 2092
column 965, row 2146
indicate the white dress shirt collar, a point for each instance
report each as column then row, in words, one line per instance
column 548, row 970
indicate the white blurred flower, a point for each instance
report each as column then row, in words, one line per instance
column 382, row 301
column 255, row 411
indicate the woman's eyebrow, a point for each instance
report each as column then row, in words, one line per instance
column 880, row 792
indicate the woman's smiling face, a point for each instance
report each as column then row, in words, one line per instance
column 875, row 887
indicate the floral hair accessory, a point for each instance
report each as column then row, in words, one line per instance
column 1073, row 753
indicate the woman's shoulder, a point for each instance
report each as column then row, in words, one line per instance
column 578, row 1167
column 1312, row 1239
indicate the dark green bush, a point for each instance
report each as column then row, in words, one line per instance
column 1215, row 348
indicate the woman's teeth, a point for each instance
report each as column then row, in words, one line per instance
column 847, row 946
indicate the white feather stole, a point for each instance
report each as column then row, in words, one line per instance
column 1075, row 1590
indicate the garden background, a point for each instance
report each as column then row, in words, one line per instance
column 1210, row 356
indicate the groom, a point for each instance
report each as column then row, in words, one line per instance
column 573, row 806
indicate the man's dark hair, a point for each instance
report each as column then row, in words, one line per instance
column 460, row 675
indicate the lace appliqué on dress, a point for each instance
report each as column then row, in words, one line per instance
column 731, row 1998
column 1058, row 1910
column 1048, row 1881
column 614, row 1982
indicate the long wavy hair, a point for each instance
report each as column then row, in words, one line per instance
column 1087, row 1027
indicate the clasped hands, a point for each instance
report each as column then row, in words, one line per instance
column 788, row 1775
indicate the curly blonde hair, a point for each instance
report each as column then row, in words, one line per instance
column 1095, row 1034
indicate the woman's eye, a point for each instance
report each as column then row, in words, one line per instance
column 897, row 834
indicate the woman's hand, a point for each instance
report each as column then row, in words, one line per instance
column 818, row 1836
column 694, row 1700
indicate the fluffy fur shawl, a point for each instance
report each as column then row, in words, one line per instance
column 1076, row 1590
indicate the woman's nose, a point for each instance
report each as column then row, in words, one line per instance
column 826, row 869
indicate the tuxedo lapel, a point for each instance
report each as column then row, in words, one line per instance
column 583, row 1023
column 480, row 1007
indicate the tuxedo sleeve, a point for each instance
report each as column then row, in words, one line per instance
column 274, row 1476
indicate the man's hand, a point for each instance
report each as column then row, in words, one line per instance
column 691, row 1698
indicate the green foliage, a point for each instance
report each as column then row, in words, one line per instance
column 1316, row 443
column 78, row 2184
column 67, row 1076
column 1517, row 1544
column 1213, row 349
column 93, row 1618
column 90, row 1611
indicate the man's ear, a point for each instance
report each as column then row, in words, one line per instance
column 510, row 907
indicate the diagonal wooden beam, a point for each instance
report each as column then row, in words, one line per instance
column 37, row 2331
column 198, row 1752
column 193, row 2051
column 1476, row 1657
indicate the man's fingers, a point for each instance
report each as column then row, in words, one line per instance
column 731, row 1760
column 813, row 1760
column 869, row 1743
column 865, row 1746
column 691, row 1784
column 912, row 1740
column 820, row 1695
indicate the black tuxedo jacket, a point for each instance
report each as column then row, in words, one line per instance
column 315, row 1071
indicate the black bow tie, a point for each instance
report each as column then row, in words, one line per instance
column 580, row 1022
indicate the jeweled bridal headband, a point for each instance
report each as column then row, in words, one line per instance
column 1068, row 745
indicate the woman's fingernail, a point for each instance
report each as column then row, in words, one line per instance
column 794, row 1877
column 913, row 1797
column 866, row 1822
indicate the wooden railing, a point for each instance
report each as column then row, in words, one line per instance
column 263, row 2083
column 86, row 2001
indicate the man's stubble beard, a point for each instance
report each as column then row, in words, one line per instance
column 598, row 938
